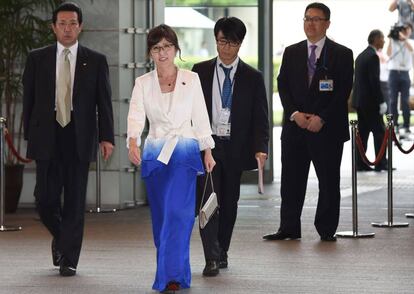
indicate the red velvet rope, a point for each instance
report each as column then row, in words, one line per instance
column 394, row 137
column 380, row 153
column 13, row 149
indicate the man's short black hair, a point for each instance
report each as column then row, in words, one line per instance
column 232, row 28
column 325, row 9
column 67, row 6
column 373, row 35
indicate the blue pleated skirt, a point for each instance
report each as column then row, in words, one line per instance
column 171, row 191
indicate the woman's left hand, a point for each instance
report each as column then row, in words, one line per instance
column 209, row 161
column 262, row 159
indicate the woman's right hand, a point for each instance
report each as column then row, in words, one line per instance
column 134, row 153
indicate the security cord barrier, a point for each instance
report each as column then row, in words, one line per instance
column 362, row 151
column 354, row 233
column 390, row 223
column 397, row 143
column 98, row 208
column 13, row 149
column 3, row 227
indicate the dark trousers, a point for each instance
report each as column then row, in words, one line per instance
column 371, row 121
column 399, row 82
column 297, row 154
column 216, row 235
column 385, row 90
column 64, row 172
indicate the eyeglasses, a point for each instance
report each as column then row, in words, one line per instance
column 224, row 42
column 315, row 19
column 71, row 25
column 166, row 48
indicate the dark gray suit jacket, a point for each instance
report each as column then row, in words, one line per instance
column 336, row 64
column 91, row 95
column 367, row 93
column 249, row 111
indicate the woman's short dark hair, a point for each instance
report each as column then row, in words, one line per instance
column 232, row 28
column 67, row 6
column 160, row 32
column 325, row 9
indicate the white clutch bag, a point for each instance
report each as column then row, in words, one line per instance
column 211, row 205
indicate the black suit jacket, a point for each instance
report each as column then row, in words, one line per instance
column 249, row 111
column 367, row 93
column 336, row 64
column 91, row 95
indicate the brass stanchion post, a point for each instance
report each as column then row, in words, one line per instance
column 354, row 233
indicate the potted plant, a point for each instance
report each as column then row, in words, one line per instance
column 23, row 27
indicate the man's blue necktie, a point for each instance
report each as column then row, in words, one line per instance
column 312, row 62
column 226, row 92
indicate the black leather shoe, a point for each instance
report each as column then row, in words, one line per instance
column 56, row 255
column 211, row 269
column 280, row 235
column 328, row 238
column 66, row 270
column 223, row 263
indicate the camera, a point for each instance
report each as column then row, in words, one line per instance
column 395, row 32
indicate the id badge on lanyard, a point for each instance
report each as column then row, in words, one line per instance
column 224, row 127
column 223, row 130
column 326, row 85
column 224, row 116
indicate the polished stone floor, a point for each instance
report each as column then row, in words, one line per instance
column 118, row 255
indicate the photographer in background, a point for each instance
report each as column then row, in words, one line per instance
column 405, row 10
column 400, row 52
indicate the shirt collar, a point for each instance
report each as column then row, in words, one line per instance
column 73, row 49
column 233, row 64
column 373, row 48
column 320, row 43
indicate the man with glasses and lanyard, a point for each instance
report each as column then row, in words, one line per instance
column 236, row 101
column 314, row 83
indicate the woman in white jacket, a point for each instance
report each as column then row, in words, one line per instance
column 173, row 102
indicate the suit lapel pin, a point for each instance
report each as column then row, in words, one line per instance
column 84, row 64
column 183, row 83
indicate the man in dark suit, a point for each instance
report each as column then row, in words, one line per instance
column 368, row 100
column 314, row 82
column 236, row 102
column 66, row 87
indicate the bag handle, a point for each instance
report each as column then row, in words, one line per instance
column 209, row 175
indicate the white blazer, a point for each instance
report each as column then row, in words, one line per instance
column 187, row 117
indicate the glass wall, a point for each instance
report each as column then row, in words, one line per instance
column 194, row 20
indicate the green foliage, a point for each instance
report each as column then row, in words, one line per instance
column 22, row 29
